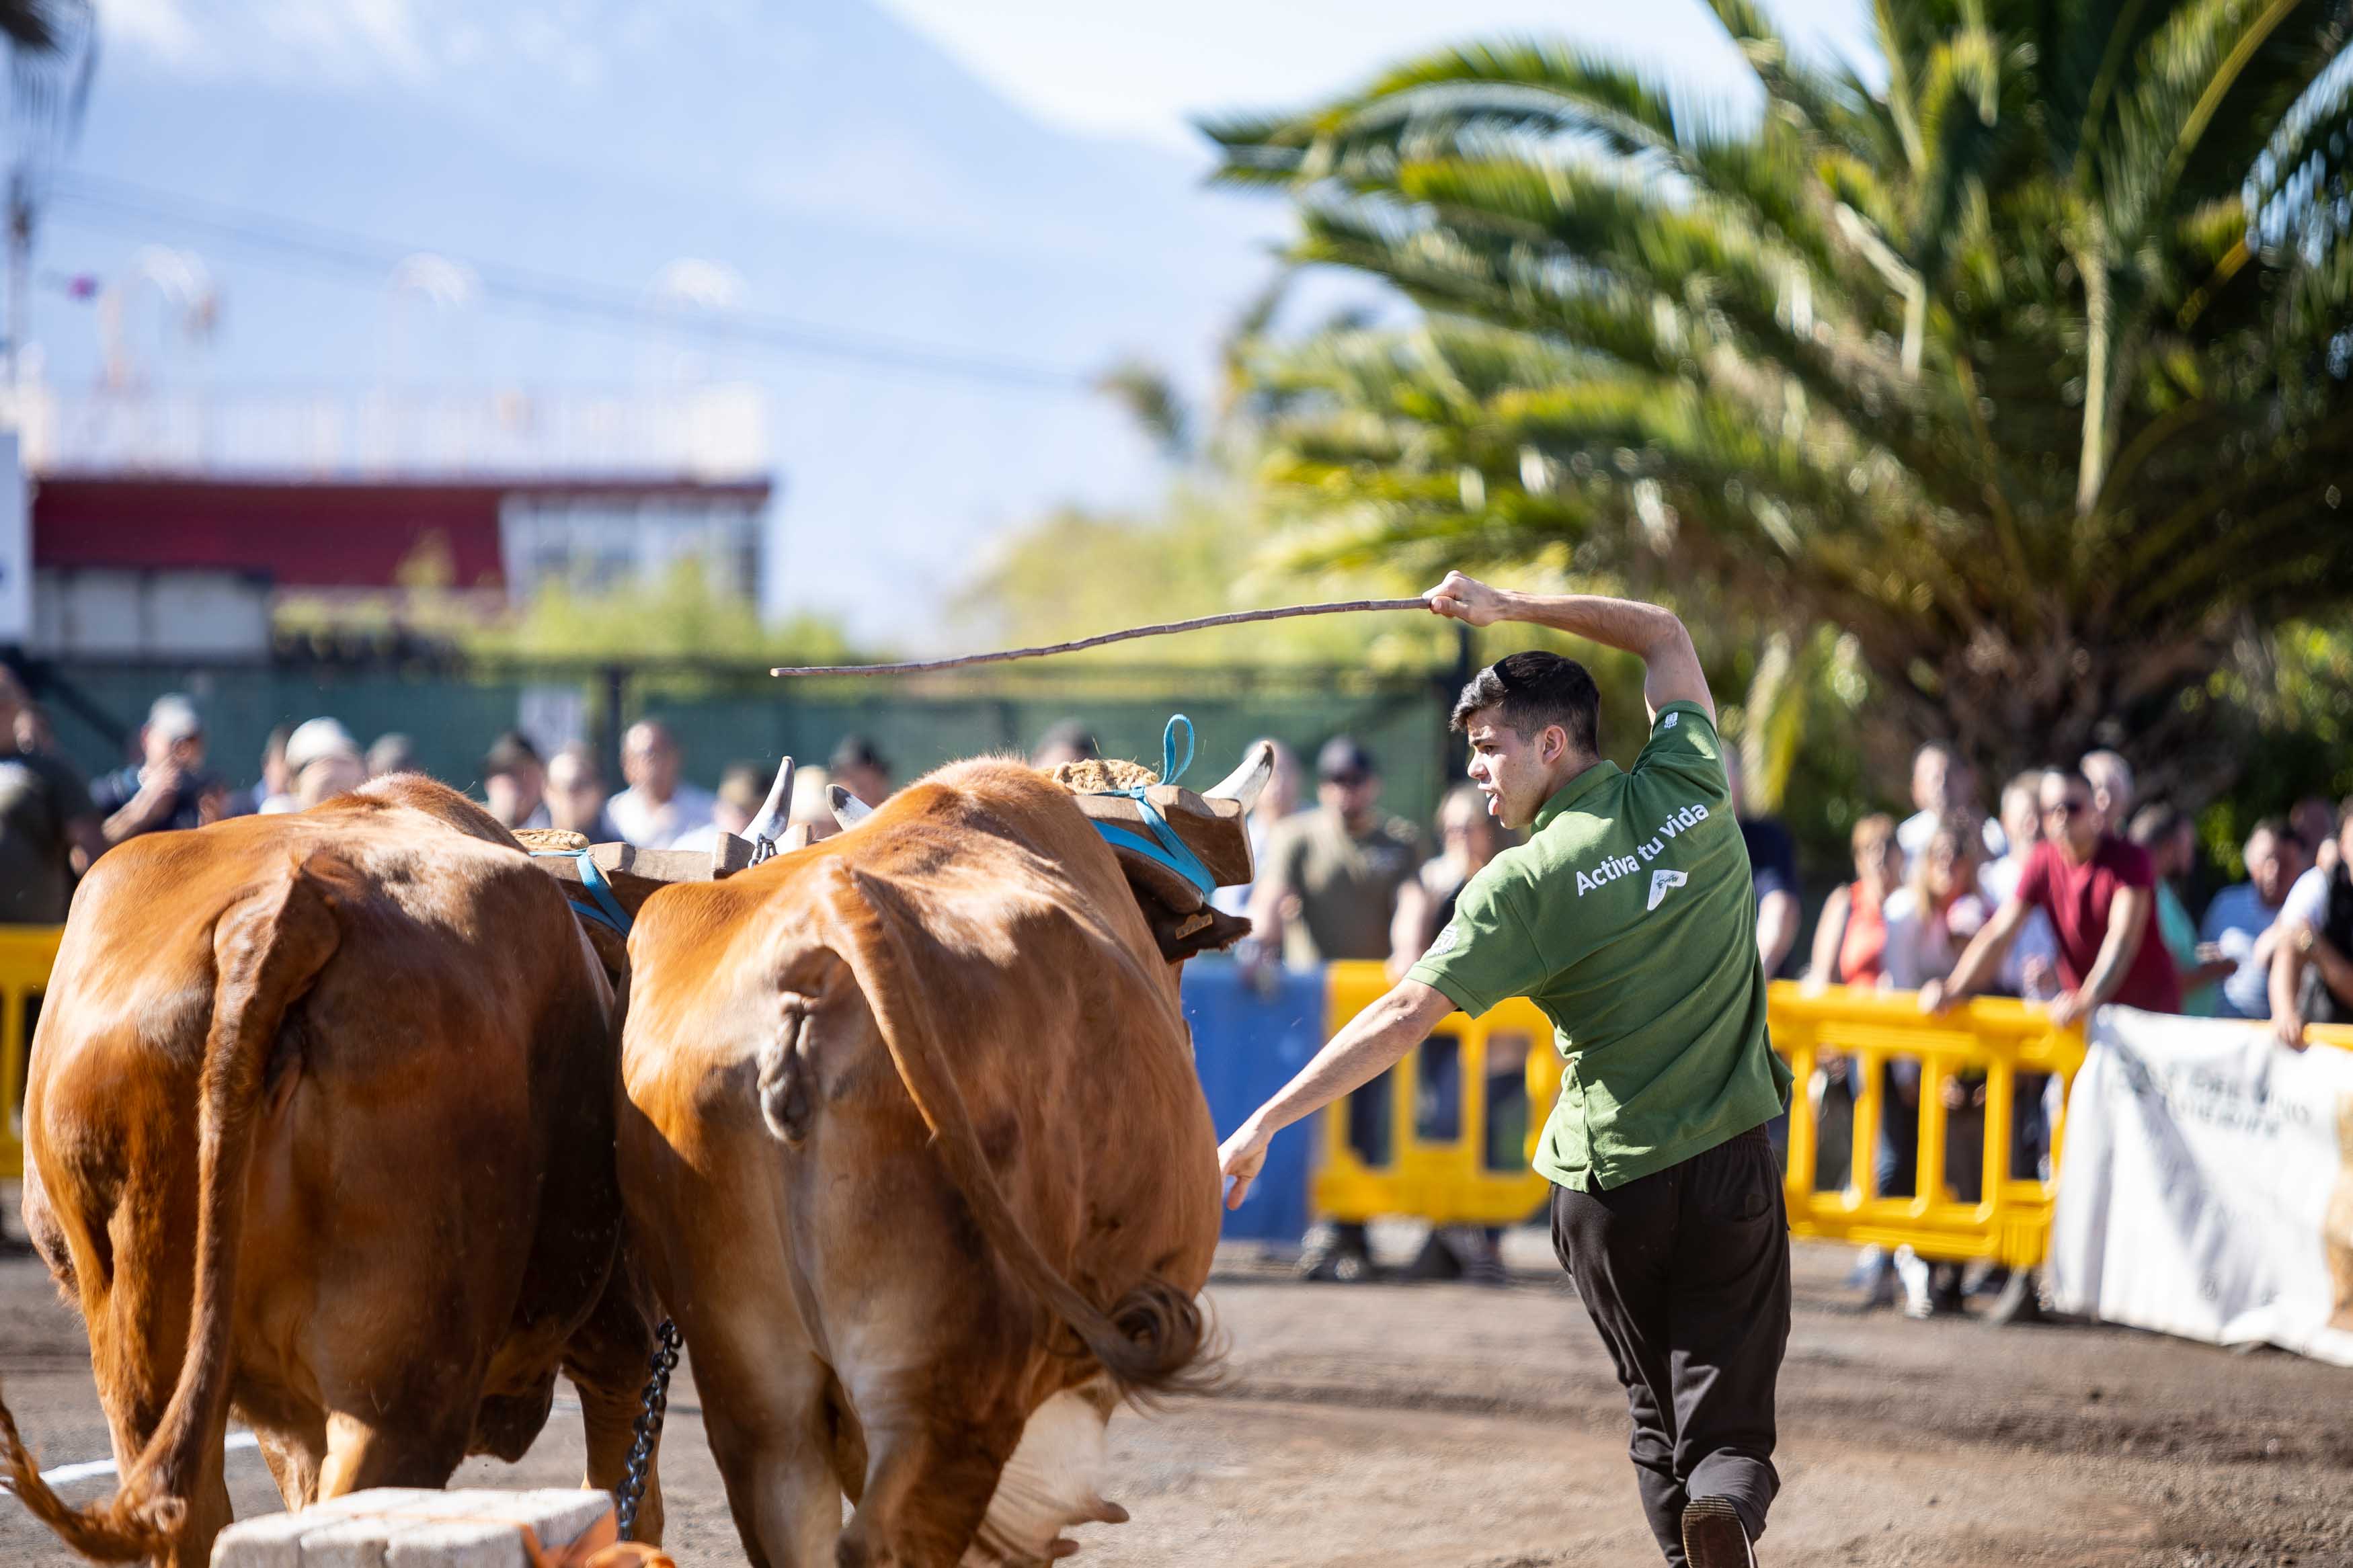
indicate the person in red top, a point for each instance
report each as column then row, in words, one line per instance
column 2100, row 893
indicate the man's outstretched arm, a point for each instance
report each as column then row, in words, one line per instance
column 1670, row 663
column 1367, row 1046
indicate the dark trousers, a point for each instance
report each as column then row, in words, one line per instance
column 1686, row 1273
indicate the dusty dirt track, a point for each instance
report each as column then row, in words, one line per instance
column 1451, row 1425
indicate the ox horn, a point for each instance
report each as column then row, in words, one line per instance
column 847, row 809
column 1244, row 782
column 775, row 812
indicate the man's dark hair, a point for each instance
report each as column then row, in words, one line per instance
column 511, row 752
column 1531, row 691
column 2154, row 823
column 856, row 751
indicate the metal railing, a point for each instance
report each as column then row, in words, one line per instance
column 25, row 955
column 1433, row 1156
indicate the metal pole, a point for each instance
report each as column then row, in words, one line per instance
column 608, row 721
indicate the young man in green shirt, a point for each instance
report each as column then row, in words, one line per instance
column 1628, row 918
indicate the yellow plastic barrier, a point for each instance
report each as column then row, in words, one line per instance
column 1431, row 1157
column 25, row 955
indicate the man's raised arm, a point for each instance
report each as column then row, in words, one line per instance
column 1670, row 664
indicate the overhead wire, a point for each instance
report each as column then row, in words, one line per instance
column 116, row 204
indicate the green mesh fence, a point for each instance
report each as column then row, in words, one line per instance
column 724, row 716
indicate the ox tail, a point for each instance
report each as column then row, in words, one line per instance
column 1152, row 1340
column 268, row 947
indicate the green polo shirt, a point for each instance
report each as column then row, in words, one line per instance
column 1627, row 917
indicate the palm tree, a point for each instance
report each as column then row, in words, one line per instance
column 2027, row 371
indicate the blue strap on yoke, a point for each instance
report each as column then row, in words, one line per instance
column 1164, row 847
column 608, row 910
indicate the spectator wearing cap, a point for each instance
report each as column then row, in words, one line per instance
column 168, row 788
column 658, row 805
column 2243, row 923
column 1330, row 886
column 393, row 753
column 742, row 790
column 575, row 796
column 1329, row 891
column 325, row 760
column 50, row 831
column 1067, row 741
column 514, row 782
column 859, row 767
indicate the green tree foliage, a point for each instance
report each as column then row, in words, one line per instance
column 2026, row 372
column 1076, row 573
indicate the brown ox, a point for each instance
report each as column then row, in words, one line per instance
column 319, row 1128
column 916, row 1154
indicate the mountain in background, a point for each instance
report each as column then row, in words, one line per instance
column 854, row 176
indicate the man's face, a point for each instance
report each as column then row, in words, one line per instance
column 187, row 752
column 2272, row 866
column 1929, row 770
column 514, row 794
column 650, row 761
column 2069, row 818
column 574, row 795
column 1352, row 795
column 1513, row 773
column 2021, row 818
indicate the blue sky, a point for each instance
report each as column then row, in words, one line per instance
column 1141, row 69
column 1007, row 179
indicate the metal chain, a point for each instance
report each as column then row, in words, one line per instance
column 632, row 1490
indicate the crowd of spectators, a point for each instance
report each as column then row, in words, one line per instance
column 2065, row 894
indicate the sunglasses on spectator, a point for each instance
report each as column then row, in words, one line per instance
column 2067, row 809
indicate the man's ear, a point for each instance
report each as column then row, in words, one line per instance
column 1552, row 745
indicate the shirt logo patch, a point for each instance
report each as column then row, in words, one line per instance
column 1669, row 723
column 1445, row 943
column 1660, row 882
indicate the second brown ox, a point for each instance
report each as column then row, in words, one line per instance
column 320, row 1127
column 915, row 1150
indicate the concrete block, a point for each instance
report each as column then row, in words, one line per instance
column 406, row 1527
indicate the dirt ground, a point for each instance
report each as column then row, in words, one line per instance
column 1451, row 1424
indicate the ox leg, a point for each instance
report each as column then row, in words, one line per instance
column 404, row 1446
column 771, row 1424
column 294, row 1460
column 608, row 1359
column 929, row 1473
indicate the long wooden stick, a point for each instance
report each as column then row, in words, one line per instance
column 1236, row 618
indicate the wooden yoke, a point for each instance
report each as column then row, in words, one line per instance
column 635, row 873
column 1181, row 917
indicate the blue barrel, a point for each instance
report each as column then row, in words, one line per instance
column 1246, row 1046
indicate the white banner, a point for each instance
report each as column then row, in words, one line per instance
column 2206, row 1186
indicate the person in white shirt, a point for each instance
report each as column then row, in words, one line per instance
column 2031, row 968
column 2241, row 921
column 1278, row 800
column 658, row 805
column 741, row 793
column 1943, row 783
